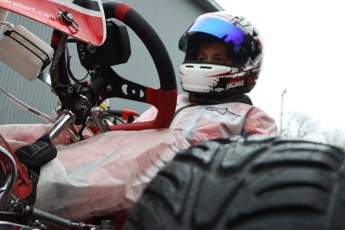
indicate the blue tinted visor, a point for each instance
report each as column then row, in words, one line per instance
column 218, row 28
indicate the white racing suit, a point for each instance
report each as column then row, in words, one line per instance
column 198, row 123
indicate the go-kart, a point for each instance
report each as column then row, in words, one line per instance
column 259, row 182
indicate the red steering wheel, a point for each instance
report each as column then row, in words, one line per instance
column 163, row 98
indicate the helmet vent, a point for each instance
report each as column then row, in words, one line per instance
column 205, row 67
column 189, row 66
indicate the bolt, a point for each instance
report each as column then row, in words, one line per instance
column 70, row 89
column 109, row 88
column 92, row 49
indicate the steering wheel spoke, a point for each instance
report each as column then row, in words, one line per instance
column 112, row 85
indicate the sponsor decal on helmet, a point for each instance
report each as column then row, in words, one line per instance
column 235, row 82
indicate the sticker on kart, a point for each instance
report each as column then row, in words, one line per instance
column 82, row 19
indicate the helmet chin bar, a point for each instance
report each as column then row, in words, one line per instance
column 202, row 75
column 209, row 78
column 217, row 80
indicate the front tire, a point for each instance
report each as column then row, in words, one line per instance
column 256, row 183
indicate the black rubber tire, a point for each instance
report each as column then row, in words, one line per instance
column 255, row 183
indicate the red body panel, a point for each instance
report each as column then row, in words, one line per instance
column 90, row 22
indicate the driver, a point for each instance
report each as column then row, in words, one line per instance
column 222, row 64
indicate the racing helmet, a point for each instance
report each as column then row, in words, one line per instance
column 205, row 80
